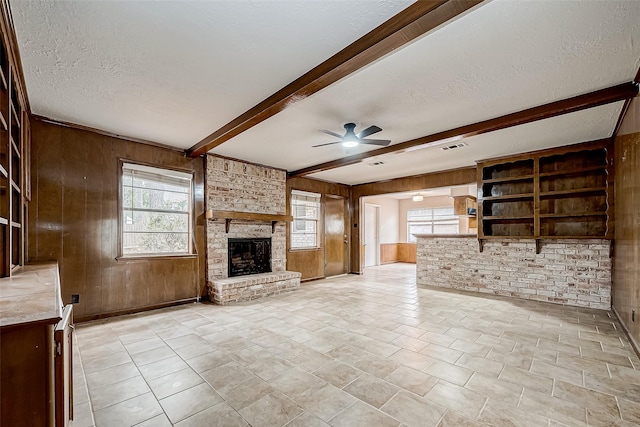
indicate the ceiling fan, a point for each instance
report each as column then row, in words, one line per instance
column 351, row 139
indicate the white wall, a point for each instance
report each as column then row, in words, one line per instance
column 428, row 202
column 388, row 217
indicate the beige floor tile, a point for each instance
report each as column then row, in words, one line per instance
column 162, row 367
column 376, row 366
column 82, row 415
column 445, row 354
column 451, row 419
column 108, row 395
column 530, row 380
column 622, row 389
column 274, row 409
column 325, row 401
column 469, row 347
column 630, row 410
column 307, row 420
column 209, row 361
column 532, row 345
column 111, row 375
column 189, row 402
column 412, row 410
column 245, row 392
column 411, row 359
column 504, row 392
column 338, row 373
column 218, row 415
column 310, row 360
column 372, row 390
column 144, row 345
column 498, row 413
column 153, row 355
column 412, row 380
column 295, row 381
column 130, row 412
column 174, row 382
column 601, row 402
column 157, row 421
column 448, row 372
column 480, row 364
column 464, row 401
column 573, row 376
column 362, row 415
column 552, row 407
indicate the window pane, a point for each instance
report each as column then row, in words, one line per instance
column 154, row 243
column 305, row 208
column 445, row 228
column 156, row 211
column 161, row 200
column 155, row 221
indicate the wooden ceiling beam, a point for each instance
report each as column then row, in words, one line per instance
column 570, row 105
column 411, row 23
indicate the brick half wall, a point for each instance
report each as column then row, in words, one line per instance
column 571, row 272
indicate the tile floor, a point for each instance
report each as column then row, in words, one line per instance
column 371, row 350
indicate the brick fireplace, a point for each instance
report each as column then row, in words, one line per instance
column 238, row 187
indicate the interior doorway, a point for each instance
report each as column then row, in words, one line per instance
column 335, row 253
column 371, row 235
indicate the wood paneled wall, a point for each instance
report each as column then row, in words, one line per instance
column 412, row 183
column 310, row 262
column 397, row 252
column 626, row 264
column 73, row 219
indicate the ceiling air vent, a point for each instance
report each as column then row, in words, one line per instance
column 376, row 163
column 451, row 147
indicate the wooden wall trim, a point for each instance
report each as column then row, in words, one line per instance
column 412, row 22
column 570, row 105
column 137, row 310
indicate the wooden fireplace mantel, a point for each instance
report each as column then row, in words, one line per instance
column 229, row 216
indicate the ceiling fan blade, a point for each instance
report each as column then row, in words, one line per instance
column 328, row 132
column 328, row 143
column 382, row 142
column 368, row 131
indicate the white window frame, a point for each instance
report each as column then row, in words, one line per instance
column 172, row 176
column 299, row 213
column 432, row 221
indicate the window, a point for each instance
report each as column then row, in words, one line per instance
column 156, row 211
column 431, row 221
column 305, row 209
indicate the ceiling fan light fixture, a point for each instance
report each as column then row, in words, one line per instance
column 349, row 144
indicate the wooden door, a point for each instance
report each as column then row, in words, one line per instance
column 335, row 239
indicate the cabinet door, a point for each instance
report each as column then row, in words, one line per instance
column 64, row 368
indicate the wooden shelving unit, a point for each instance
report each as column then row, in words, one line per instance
column 13, row 133
column 551, row 194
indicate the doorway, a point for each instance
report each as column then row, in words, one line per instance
column 335, row 240
column 371, row 235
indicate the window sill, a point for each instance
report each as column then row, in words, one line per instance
column 154, row 257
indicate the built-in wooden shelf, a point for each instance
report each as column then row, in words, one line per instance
column 559, row 193
column 229, row 216
column 510, row 197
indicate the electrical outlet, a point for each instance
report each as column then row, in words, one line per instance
column 75, row 298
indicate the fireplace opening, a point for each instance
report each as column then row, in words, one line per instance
column 249, row 256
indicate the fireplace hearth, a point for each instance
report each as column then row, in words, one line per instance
column 249, row 256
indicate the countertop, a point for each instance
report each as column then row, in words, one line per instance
column 31, row 295
column 446, row 236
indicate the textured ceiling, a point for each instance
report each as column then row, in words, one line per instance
column 173, row 72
